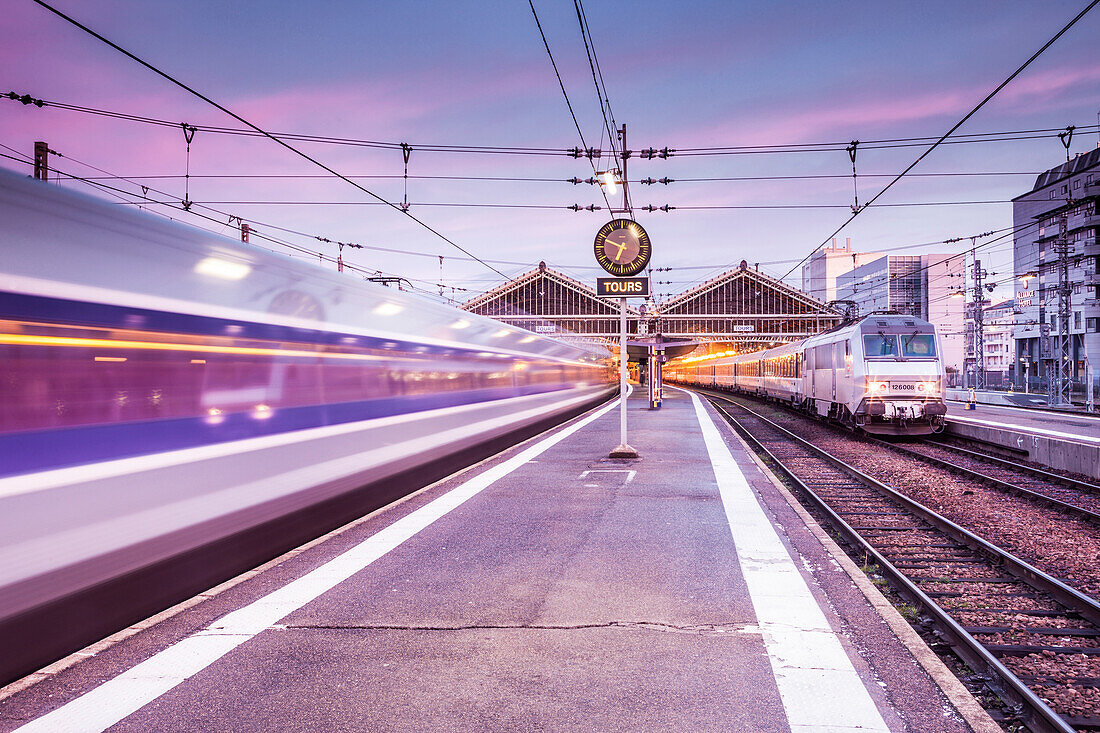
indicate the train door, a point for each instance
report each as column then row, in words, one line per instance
column 838, row 364
column 814, row 376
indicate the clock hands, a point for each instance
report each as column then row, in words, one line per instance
column 629, row 243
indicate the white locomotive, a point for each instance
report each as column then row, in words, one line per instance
column 881, row 373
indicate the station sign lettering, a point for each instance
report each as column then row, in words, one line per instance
column 622, row 287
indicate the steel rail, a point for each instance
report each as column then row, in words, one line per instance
column 1072, row 483
column 1031, row 709
column 1000, row 484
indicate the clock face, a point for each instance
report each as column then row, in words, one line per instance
column 622, row 247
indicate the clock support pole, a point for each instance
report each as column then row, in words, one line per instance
column 623, row 450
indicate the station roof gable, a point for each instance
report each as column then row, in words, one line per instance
column 735, row 279
column 540, row 292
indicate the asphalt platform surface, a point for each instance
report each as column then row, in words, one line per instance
column 574, row 593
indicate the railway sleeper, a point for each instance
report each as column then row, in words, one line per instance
column 1038, row 630
column 1020, row 650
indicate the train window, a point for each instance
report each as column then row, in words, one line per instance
column 880, row 345
column 919, row 344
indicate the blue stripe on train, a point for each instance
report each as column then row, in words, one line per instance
column 79, row 313
column 42, row 450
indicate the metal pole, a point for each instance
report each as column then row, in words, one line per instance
column 623, row 359
column 1065, row 293
column 1090, row 404
column 623, row 450
column 979, row 323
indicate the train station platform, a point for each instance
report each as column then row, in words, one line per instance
column 549, row 588
column 1068, row 441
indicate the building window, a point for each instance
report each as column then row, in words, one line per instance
column 1077, row 319
column 1077, row 183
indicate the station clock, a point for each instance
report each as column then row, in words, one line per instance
column 622, row 247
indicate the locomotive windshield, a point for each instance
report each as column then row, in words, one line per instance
column 919, row 344
column 882, row 344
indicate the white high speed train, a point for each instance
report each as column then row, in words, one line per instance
column 881, row 374
column 176, row 407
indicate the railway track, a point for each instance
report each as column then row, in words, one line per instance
column 1073, row 496
column 1031, row 639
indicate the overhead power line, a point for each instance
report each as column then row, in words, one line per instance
column 527, row 179
column 142, row 199
column 266, row 134
column 576, row 123
column 578, row 207
column 585, row 151
column 606, row 115
column 956, row 126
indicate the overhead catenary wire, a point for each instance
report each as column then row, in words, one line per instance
column 532, row 179
column 565, row 94
column 574, row 207
column 777, row 148
column 313, row 254
column 266, row 134
column 176, row 205
column 173, row 203
column 601, row 93
column 956, row 126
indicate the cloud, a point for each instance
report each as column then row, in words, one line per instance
column 837, row 119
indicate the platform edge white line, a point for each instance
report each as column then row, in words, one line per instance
column 108, row 703
column 830, row 695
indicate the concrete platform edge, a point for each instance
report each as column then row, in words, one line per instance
column 956, row 693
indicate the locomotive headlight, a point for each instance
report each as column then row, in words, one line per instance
column 877, row 386
column 926, row 387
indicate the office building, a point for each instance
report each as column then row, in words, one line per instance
column 820, row 273
column 921, row 285
column 1061, row 206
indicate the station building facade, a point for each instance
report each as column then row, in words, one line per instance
column 742, row 306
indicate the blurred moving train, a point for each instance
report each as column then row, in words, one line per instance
column 880, row 374
column 176, row 407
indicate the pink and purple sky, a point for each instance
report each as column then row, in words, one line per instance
column 680, row 75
